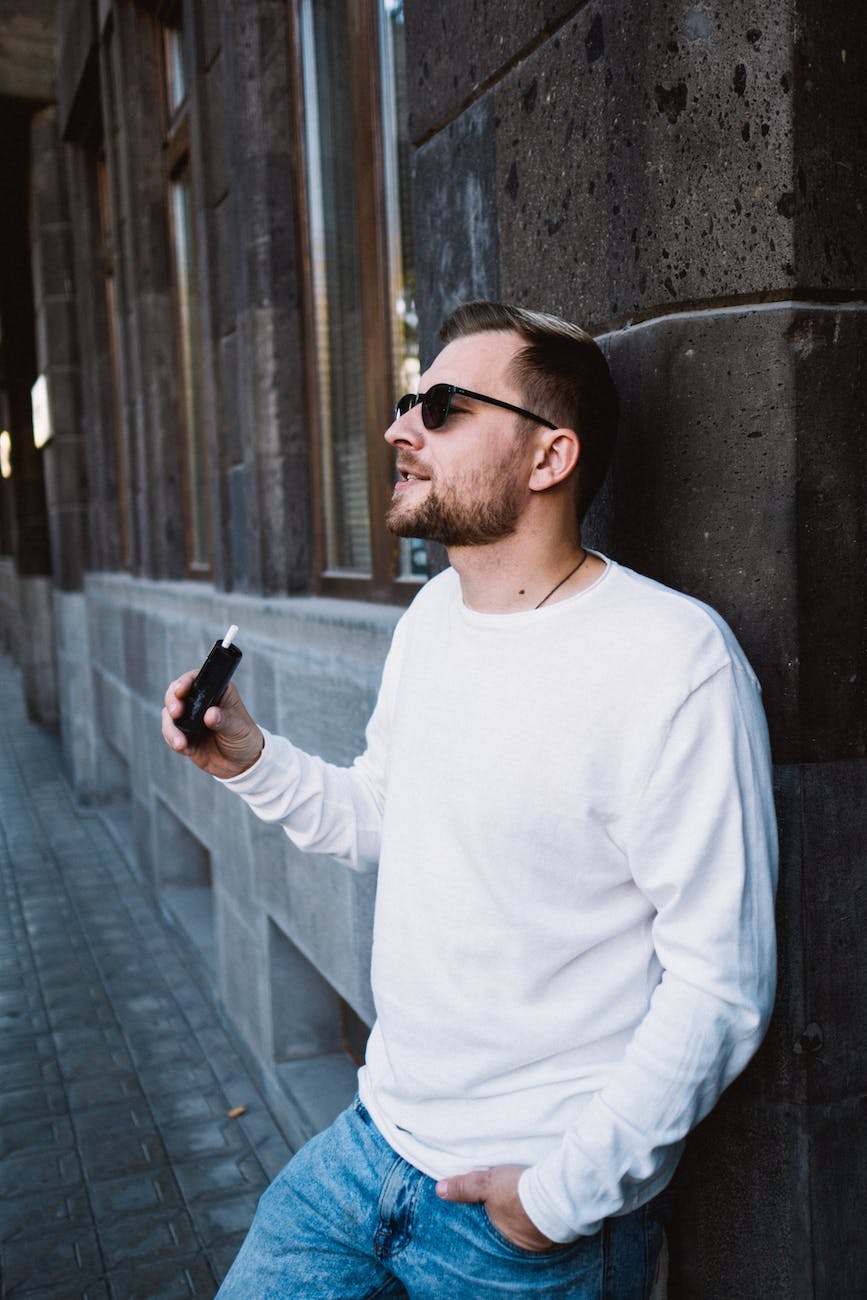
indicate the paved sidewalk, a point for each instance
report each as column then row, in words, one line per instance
column 121, row 1174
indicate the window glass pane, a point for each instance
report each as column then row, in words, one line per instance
column 336, row 283
column 185, row 284
column 176, row 83
column 398, row 206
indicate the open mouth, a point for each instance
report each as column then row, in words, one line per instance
column 407, row 474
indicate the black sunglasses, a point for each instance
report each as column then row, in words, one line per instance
column 436, row 404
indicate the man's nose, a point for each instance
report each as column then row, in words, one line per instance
column 406, row 430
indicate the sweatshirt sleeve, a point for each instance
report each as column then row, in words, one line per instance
column 702, row 847
column 324, row 808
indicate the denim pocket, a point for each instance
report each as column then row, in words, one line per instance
column 558, row 1251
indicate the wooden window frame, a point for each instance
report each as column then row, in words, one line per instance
column 383, row 583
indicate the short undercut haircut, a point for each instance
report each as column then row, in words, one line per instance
column 561, row 373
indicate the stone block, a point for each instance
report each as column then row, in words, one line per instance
column 838, row 1193
column 452, row 52
column 830, row 91
column 455, row 197
column 262, row 84
column 212, row 97
column 834, row 819
column 53, row 265
column 305, row 1010
column 65, row 472
column 209, row 34
column 258, row 686
column 323, row 714
column 56, row 333
column 243, row 972
column 106, row 637
column 747, row 1164
column 646, row 157
column 827, row 350
column 224, row 301
column 710, row 478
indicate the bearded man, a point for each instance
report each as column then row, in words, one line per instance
column 566, row 792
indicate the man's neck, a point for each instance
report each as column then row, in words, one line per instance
column 521, row 573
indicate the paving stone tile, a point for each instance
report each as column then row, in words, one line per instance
column 176, row 1077
column 58, row 1261
column 47, row 1133
column 225, row 1217
column 88, row 1062
column 145, row 1004
column 203, row 1137
column 22, row 1048
column 29, row 1103
column 129, row 1115
column 119, row 1153
column 20, row 1000
column 222, row 1255
column 30, row 1217
column 133, row 1192
column 147, row 1235
column 172, row 1279
column 41, row 1171
column 172, row 1107
column 93, row 1287
column 98, row 1091
column 217, row 1176
column 27, row 1073
column 85, row 1037
column 171, row 1050
column 81, row 998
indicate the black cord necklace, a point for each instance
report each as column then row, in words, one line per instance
column 569, row 575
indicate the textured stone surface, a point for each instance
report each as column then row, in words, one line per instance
column 454, row 50
column 835, row 947
column 455, row 215
column 647, row 156
column 743, row 1160
column 713, row 398
column 130, row 1178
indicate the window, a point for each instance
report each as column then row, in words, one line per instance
column 197, row 484
column 360, row 285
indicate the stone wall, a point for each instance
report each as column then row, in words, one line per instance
column 681, row 178
column 284, row 937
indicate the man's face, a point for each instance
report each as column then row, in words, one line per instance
column 464, row 484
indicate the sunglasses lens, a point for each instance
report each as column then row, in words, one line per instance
column 406, row 403
column 435, row 406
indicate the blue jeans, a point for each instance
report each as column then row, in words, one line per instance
column 348, row 1219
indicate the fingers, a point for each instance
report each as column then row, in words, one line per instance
column 173, row 707
column 466, row 1188
column 173, row 700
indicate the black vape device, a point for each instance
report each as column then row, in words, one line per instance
column 211, row 681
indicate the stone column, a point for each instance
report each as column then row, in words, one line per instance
column 683, row 179
column 28, row 632
column 269, row 485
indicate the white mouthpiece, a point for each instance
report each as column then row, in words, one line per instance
column 230, row 636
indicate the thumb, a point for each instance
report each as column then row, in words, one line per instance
column 472, row 1187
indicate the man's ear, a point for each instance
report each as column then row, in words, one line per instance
column 555, row 459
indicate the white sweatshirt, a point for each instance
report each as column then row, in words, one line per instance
column 573, row 952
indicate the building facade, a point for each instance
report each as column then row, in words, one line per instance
column 231, row 230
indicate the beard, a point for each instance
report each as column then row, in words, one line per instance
column 471, row 510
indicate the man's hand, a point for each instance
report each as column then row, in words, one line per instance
column 497, row 1189
column 231, row 741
